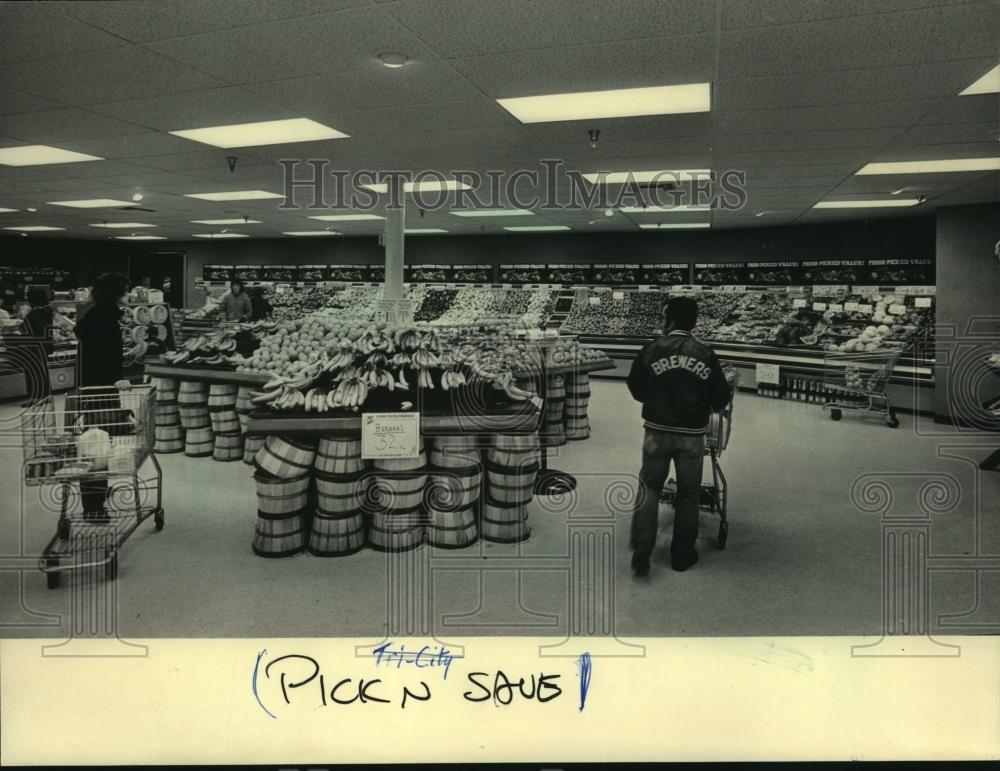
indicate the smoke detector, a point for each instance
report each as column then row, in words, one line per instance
column 393, row 60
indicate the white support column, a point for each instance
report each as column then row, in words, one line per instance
column 395, row 308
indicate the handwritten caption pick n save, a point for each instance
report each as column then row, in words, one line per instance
column 396, row 675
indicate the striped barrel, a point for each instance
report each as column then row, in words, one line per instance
column 243, row 403
column 553, row 430
column 451, row 528
column 504, row 523
column 192, row 392
column 228, row 447
column 281, row 535
column 395, row 540
column 199, row 443
column 341, row 493
column 166, row 389
column 397, row 491
column 222, row 396
column 336, row 535
column 251, row 446
column 169, row 439
column 194, row 416
column 338, row 455
column 575, row 417
column 511, row 484
column 284, row 457
column 455, row 451
column 281, row 496
column 167, row 414
column 450, row 489
column 224, row 421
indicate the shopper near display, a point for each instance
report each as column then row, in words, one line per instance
column 260, row 307
column 39, row 324
column 679, row 381
column 236, row 305
column 101, row 356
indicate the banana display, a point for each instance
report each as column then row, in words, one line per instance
column 214, row 349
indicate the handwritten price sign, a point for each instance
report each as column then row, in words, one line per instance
column 390, row 435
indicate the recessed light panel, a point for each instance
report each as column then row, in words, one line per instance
column 122, row 225
column 423, row 231
column 234, row 195
column 346, row 217
column 889, row 202
column 269, row 132
column 423, row 186
column 987, row 84
column 616, row 103
column 494, row 213
column 536, row 228
column 41, row 155
column 675, row 225
column 92, row 203
column 645, row 177
column 239, row 221
column 668, row 209
column 220, row 235
column 932, row 167
column 34, row 228
column 311, row 233
column 140, row 238
column 4, row 211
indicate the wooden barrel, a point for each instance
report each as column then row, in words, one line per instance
column 513, row 458
column 281, row 496
column 191, row 392
column 336, row 535
column 341, row 493
column 225, row 421
column 553, row 430
column 169, row 439
column 456, row 451
column 243, row 403
column 398, row 521
column 400, row 490
column 503, row 513
column 284, row 457
column 452, row 529
column 511, row 484
column 556, row 390
column 166, row 389
column 281, row 535
column 511, row 531
column 338, row 455
column 167, row 414
column 244, row 418
column 578, row 386
column 453, row 489
column 575, row 409
column 402, row 464
column 251, row 446
column 514, row 442
column 577, row 429
column 222, row 396
column 395, row 541
column 194, row 416
column 199, row 442
column 228, row 447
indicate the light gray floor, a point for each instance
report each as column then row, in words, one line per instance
column 802, row 558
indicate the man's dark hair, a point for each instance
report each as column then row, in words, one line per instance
column 38, row 297
column 682, row 312
column 109, row 287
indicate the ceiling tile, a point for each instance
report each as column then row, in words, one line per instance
column 472, row 113
column 965, row 109
column 111, row 74
column 949, row 133
column 741, row 14
column 803, row 140
column 42, row 33
column 465, row 28
column 16, row 101
column 54, row 126
column 131, row 146
column 835, row 117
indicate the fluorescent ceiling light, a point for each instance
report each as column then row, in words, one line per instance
column 311, row 233
column 866, row 204
column 234, row 195
column 34, row 228
column 239, row 221
column 221, row 235
column 987, row 84
column 423, row 186
column 535, row 228
column 616, row 103
column 268, row 132
column 140, row 238
column 40, row 155
column 423, row 231
column 494, row 213
column 661, row 209
column 346, row 217
column 932, row 167
column 643, row 177
column 123, row 225
column 4, row 211
column 92, row 203
column 675, row 225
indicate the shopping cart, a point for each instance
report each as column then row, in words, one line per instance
column 857, row 381
column 715, row 494
column 100, row 441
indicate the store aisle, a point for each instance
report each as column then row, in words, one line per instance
column 801, row 558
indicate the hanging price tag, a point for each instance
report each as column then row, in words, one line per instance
column 836, row 307
column 617, row 295
column 390, row 435
column 922, row 302
column 505, row 286
column 768, row 373
column 819, row 306
column 897, row 310
column 850, row 307
column 595, row 300
column 799, row 302
column 865, row 309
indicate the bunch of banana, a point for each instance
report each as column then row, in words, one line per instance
column 290, row 399
column 350, row 394
column 373, row 341
column 447, row 359
column 340, row 361
column 377, row 360
column 407, row 339
column 423, row 358
column 452, row 378
column 315, row 401
column 401, row 360
column 505, row 382
column 402, row 384
column 424, row 379
column 176, row 357
column 214, row 360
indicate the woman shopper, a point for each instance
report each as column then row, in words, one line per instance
column 100, row 358
column 39, row 323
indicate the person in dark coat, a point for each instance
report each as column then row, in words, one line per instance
column 100, row 358
column 260, row 307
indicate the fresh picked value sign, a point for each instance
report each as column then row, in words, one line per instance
column 390, row 435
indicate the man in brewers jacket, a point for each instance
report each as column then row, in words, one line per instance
column 679, row 381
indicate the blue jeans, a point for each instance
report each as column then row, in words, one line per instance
column 659, row 448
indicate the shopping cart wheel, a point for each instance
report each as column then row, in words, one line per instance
column 892, row 421
column 158, row 519
column 52, row 577
column 111, row 566
column 723, row 534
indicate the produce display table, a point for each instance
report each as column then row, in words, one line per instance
column 158, row 368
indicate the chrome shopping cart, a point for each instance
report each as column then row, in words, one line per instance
column 857, row 382
column 715, row 494
column 95, row 448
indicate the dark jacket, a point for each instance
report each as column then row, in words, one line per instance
column 38, row 325
column 679, row 381
column 100, row 352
